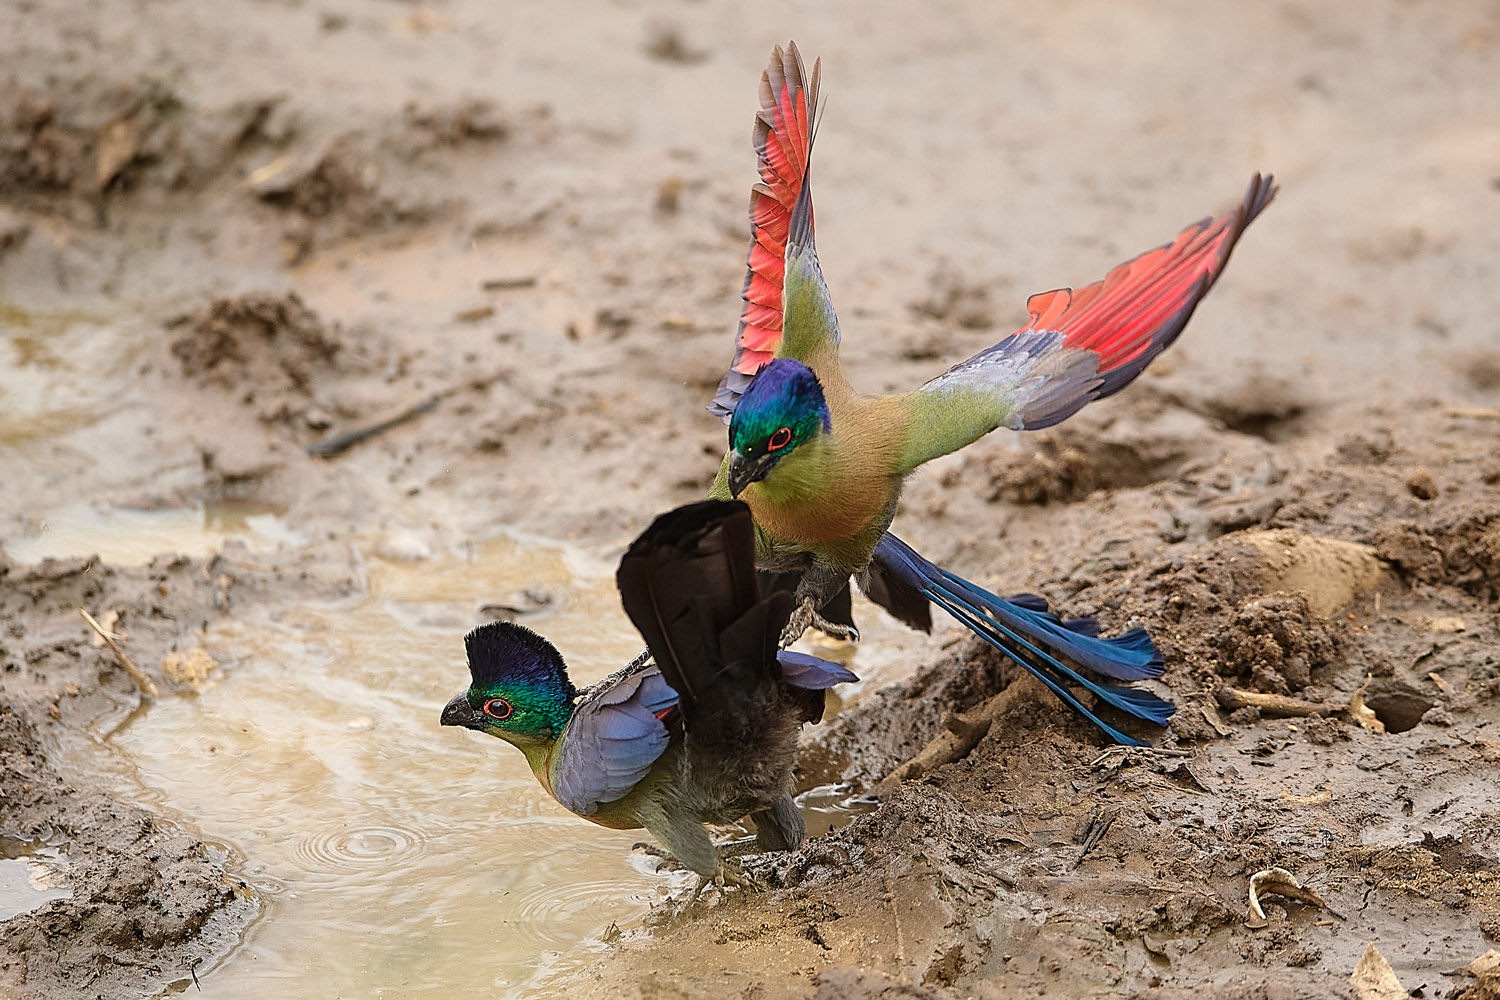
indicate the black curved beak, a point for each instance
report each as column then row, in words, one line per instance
column 743, row 471
column 459, row 712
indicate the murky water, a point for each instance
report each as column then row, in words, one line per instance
column 393, row 857
column 31, row 873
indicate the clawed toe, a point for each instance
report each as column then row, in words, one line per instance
column 805, row 615
column 723, row 879
column 651, row 850
column 846, row 632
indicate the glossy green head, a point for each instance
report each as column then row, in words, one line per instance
column 782, row 410
column 520, row 690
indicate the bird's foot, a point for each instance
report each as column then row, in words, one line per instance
column 725, row 878
column 805, row 615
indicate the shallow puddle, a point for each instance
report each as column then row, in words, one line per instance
column 132, row 536
column 31, row 873
column 394, row 857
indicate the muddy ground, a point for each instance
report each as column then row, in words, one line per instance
column 289, row 220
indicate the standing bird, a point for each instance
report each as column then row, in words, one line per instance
column 704, row 731
column 822, row 466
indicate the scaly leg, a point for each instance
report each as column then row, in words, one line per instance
column 819, row 584
column 805, row 615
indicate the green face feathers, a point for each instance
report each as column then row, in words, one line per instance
column 782, row 408
column 520, row 684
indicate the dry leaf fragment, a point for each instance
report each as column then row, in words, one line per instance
column 1280, row 882
column 191, row 669
column 1362, row 713
column 117, row 146
column 1374, row 979
column 1212, row 717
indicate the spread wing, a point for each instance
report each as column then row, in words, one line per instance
column 1079, row 346
column 783, row 145
column 616, row 733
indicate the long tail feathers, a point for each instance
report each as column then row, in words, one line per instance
column 1020, row 632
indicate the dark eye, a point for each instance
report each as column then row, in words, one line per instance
column 780, row 439
column 499, row 708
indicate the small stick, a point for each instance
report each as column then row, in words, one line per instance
column 501, row 284
column 1472, row 412
column 337, row 444
column 1273, row 704
column 142, row 681
column 963, row 731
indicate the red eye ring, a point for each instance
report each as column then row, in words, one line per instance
column 499, row 708
column 780, row 439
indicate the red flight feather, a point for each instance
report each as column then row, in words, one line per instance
column 788, row 97
column 1127, row 313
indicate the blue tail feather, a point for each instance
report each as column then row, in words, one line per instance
column 1034, row 602
column 1130, row 657
column 1001, row 623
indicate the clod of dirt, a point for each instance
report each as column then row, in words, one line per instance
column 1276, row 643
column 190, row 669
column 316, row 185
column 1481, row 368
column 665, row 43
column 1368, row 446
column 266, row 347
column 1460, row 547
column 1256, row 605
column 1096, row 452
column 1421, row 484
column 449, row 125
column 1329, row 573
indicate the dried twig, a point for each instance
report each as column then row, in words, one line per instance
column 1472, row 412
column 1098, row 826
column 337, row 444
column 1274, row 704
column 963, row 731
column 142, row 681
column 501, row 284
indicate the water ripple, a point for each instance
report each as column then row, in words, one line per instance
column 359, row 849
column 549, row 917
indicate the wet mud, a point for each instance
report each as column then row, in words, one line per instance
column 412, row 277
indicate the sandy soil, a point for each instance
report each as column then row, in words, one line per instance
column 287, row 221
